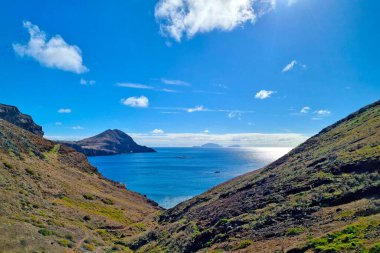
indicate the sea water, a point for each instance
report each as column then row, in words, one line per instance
column 173, row 175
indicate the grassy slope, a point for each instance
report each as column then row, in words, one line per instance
column 326, row 184
column 52, row 200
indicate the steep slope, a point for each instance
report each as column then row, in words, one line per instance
column 321, row 197
column 110, row 142
column 52, row 200
column 13, row 115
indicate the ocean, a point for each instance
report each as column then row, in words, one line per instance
column 173, row 175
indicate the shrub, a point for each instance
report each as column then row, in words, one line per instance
column 89, row 247
column 29, row 171
column 321, row 175
column 348, row 239
column 55, row 149
column 65, row 243
column 294, row 231
column 8, row 165
column 243, row 244
column 107, row 201
column 88, row 196
column 69, row 237
column 375, row 248
column 222, row 222
column 45, row 232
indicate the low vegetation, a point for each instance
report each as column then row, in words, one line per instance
column 353, row 238
column 323, row 185
column 321, row 197
column 53, row 200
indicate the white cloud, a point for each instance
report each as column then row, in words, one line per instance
column 234, row 114
column 222, row 86
column 175, row 82
column 206, row 131
column 144, row 87
column 170, row 91
column 52, row 53
column 64, row 110
column 142, row 101
column 172, row 110
column 168, row 112
column 292, row 65
column 135, row 86
column 158, row 131
column 178, row 18
column 209, row 92
column 305, row 109
column 85, row 82
column 323, row 112
column 291, row 2
column 77, row 128
column 199, row 108
column 263, row 94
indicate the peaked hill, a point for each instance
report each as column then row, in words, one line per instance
column 110, row 142
column 323, row 196
column 53, row 200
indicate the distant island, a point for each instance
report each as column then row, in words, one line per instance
column 234, row 146
column 110, row 142
column 209, row 145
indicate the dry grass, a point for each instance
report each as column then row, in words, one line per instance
column 42, row 203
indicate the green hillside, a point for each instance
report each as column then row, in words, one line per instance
column 52, row 200
column 321, row 197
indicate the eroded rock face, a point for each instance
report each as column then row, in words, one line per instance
column 13, row 115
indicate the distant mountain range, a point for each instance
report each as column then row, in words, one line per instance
column 110, row 142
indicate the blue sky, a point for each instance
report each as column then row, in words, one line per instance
column 179, row 73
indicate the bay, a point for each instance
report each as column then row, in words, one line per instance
column 173, row 175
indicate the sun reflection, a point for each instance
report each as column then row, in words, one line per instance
column 267, row 154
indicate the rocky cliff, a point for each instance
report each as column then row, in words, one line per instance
column 110, row 142
column 13, row 115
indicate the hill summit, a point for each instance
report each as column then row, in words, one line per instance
column 109, row 142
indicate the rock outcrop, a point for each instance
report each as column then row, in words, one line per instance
column 13, row 115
